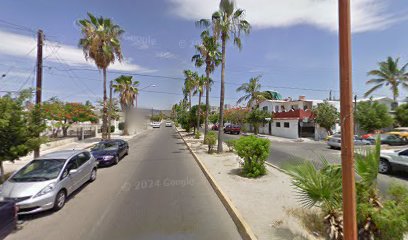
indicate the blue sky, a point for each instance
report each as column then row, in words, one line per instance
column 293, row 45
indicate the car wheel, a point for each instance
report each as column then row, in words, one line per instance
column 116, row 161
column 93, row 175
column 60, row 200
column 384, row 166
column 238, row 133
column 127, row 152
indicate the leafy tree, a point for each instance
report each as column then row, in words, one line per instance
column 401, row 115
column 236, row 115
column 257, row 117
column 253, row 96
column 213, row 118
column 19, row 127
column 326, row 115
column 254, row 151
column 372, row 115
column 67, row 113
column 195, row 118
column 127, row 89
column 210, row 56
column 389, row 74
column 226, row 22
column 100, row 42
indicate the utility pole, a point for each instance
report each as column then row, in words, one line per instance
column 110, row 110
column 38, row 90
column 346, row 119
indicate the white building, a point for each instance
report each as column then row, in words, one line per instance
column 293, row 118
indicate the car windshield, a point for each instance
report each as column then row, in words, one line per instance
column 39, row 170
column 105, row 146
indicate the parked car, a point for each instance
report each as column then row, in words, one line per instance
column 393, row 160
column 232, row 129
column 214, row 127
column 390, row 139
column 46, row 182
column 367, row 135
column 156, row 124
column 8, row 218
column 169, row 124
column 401, row 132
column 335, row 141
column 109, row 152
column 330, row 136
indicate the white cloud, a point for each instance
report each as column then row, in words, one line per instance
column 22, row 46
column 367, row 15
column 165, row 55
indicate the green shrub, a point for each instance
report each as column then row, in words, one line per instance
column 210, row 140
column 121, row 126
column 254, row 151
column 197, row 135
column 230, row 143
column 176, row 124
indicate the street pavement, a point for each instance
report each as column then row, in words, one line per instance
column 156, row 192
column 284, row 154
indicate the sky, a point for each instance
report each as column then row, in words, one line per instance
column 293, row 44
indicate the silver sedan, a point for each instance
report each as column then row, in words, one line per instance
column 45, row 183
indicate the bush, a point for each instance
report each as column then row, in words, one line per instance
column 176, row 124
column 210, row 140
column 197, row 135
column 254, row 151
column 230, row 143
column 112, row 129
column 121, row 126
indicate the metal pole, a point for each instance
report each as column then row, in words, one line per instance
column 38, row 90
column 346, row 118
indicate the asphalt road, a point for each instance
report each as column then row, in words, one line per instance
column 284, row 154
column 156, row 192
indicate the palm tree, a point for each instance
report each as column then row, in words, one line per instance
column 271, row 95
column 190, row 82
column 201, row 85
column 388, row 74
column 208, row 54
column 100, row 42
column 127, row 89
column 252, row 92
column 226, row 22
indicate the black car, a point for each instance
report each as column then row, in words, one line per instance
column 109, row 152
column 8, row 218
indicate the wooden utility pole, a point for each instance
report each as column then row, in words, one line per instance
column 346, row 118
column 110, row 110
column 38, row 90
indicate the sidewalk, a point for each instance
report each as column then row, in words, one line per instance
column 87, row 143
column 265, row 203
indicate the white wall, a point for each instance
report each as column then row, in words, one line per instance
column 291, row 132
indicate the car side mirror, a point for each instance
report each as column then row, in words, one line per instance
column 72, row 171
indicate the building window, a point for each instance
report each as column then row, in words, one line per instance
column 278, row 124
column 286, row 124
column 276, row 108
column 265, row 108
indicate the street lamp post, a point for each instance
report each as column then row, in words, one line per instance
column 346, row 120
column 151, row 85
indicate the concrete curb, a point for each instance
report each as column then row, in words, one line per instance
column 243, row 227
column 277, row 168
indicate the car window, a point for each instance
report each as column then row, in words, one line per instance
column 404, row 153
column 82, row 158
column 72, row 164
column 39, row 170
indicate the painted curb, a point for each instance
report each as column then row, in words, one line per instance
column 243, row 227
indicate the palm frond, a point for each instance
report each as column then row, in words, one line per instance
column 368, row 93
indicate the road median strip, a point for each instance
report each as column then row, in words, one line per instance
column 243, row 227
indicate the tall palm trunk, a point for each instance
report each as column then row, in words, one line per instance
column 199, row 111
column 189, row 101
column 105, row 108
column 2, row 177
column 125, row 126
column 207, row 103
column 221, row 118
